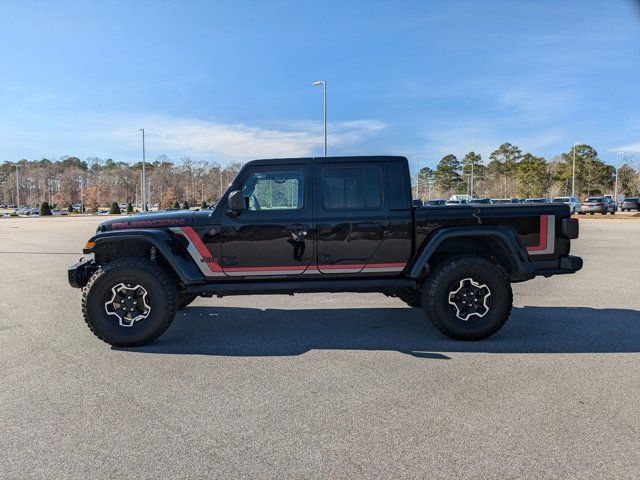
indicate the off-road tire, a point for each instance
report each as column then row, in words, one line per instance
column 185, row 299
column 446, row 276
column 162, row 294
column 411, row 297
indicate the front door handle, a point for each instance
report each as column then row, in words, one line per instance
column 298, row 229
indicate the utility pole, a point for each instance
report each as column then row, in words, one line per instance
column 573, row 174
column 418, row 179
column 323, row 83
column 17, row 187
column 615, row 195
column 81, row 196
column 143, row 193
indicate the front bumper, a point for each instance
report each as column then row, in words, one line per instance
column 80, row 272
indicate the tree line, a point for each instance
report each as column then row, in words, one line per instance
column 98, row 182
column 509, row 173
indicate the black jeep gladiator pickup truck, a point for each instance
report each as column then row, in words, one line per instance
column 334, row 224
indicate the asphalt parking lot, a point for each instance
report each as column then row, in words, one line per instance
column 321, row 385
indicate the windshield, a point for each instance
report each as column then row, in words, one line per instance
column 560, row 200
column 594, row 199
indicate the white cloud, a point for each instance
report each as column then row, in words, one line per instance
column 234, row 141
column 629, row 148
column 536, row 103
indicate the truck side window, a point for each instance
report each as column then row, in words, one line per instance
column 351, row 188
column 274, row 190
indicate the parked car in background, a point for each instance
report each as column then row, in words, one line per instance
column 597, row 205
column 631, row 203
column 505, row 200
column 537, row 200
column 460, row 201
column 573, row 202
column 417, row 203
column 455, row 198
column 433, row 203
column 482, row 201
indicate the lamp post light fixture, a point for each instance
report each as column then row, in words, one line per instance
column 323, row 84
column 573, row 174
column 143, row 192
column 615, row 193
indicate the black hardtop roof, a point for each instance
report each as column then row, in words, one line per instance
column 352, row 159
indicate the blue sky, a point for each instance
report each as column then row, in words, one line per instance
column 232, row 80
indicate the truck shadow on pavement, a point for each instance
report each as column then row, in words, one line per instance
column 229, row 331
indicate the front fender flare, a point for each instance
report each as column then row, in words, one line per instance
column 183, row 266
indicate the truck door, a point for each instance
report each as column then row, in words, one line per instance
column 352, row 216
column 273, row 234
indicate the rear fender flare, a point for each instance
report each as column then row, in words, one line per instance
column 516, row 255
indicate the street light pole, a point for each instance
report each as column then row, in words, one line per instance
column 323, row 83
column 17, row 187
column 573, row 174
column 143, row 192
column 615, row 193
column 417, row 178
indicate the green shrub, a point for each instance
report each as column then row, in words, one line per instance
column 203, row 205
column 45, row 209
column 129, row 207
column 176, row 205
column 185, row 205
column 70, row 208
column 114, row 209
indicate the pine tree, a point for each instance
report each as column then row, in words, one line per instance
column 115, row 209
column 447, row 174
column 45, row 209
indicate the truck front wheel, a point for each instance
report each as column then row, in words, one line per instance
column 411, row 297
column 129, row 302
column 467, row 297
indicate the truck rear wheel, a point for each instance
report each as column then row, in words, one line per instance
column 467, row 297
column 129, row 302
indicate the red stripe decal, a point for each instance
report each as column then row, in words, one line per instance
column 201, row 247
column 543, row 235
column 263, row 269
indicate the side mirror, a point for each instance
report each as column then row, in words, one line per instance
column 235, row 203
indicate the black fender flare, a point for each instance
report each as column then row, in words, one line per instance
column 183, row 266
column 511, row 248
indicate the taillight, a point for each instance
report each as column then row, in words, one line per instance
column 570, row 228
